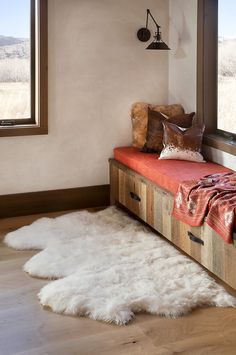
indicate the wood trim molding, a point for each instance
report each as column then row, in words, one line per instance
column 221, row 143
column 200, row 61
column 53, row 201
column 29, row 127
column 207, row 63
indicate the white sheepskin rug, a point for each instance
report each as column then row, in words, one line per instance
column 109, row 266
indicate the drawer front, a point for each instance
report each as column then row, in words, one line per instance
column 208, row 248
column 162, row 209
column 187, row 238
column 133, row 194
column 218, row 256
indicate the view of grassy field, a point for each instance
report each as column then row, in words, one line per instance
column 227, row 85
column 14, row 100
column 14, row 78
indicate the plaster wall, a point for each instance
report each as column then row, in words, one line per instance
column 183, row 66
column 183, row 54
column 97, row 69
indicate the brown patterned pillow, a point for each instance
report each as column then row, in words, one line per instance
column 182, row 144
column 139, row 117
column 154, row 138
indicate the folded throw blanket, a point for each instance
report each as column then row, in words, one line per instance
column 211, row 199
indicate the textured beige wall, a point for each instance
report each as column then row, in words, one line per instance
column 183, row 54
column 97, row 69
column 183, row 66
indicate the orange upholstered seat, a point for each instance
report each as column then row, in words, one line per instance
column 168, row 174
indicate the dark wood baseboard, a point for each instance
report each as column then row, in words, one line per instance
column 52, row 201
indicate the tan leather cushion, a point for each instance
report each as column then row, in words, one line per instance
column 139, row 117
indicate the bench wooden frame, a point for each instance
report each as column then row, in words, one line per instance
column 154, row 205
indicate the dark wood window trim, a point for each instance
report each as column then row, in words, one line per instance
column 38, row 123
column 207, row 69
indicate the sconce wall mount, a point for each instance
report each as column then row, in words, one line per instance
column 144, row 34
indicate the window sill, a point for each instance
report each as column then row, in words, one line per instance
column 221, row 143
column 23, row 130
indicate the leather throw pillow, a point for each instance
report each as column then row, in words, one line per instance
column 182, row 144
column 154, row 137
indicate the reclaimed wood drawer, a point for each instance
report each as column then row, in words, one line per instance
column 142, row 197
column 130, row 191
column 208, row 248
column 154, row 206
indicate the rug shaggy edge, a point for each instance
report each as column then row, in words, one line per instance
column 70, row 294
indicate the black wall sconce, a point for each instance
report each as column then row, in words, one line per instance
column 144, row 35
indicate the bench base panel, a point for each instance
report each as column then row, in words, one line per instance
column 154, row 206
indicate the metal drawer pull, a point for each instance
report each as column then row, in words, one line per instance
column 135, row 197
column 195, row 239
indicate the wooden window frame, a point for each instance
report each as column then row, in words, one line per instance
column 207, row 77
column 37, row 124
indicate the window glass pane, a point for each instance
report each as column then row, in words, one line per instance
column 15, row 88
column 227, row 66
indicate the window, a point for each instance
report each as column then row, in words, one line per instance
column 23, row 67
column 226, row 117
column 216, row 91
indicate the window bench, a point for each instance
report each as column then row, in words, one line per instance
column 146, row 187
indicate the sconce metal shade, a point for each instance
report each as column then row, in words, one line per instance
column 158, row 44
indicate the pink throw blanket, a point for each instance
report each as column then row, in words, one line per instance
column 211, row 199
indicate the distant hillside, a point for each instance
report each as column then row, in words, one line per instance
column 11, row 48
column 8, row 41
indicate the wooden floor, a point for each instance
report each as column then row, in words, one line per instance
column 26, row 328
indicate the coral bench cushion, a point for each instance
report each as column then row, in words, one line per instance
column 168, row 174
